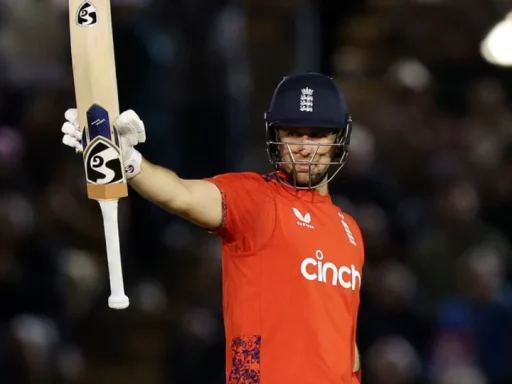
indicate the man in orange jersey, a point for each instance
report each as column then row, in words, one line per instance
column 292, row 260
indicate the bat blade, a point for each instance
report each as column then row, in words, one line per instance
column 94, row 75
column 95, row 81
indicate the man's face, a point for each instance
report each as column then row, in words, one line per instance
column 303, row 149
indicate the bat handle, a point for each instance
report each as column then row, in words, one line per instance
column 117, row 299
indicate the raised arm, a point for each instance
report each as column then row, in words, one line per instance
column 197, row 201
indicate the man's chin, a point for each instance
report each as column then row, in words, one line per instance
column 302, row 179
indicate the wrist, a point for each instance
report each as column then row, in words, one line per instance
column 132, row 162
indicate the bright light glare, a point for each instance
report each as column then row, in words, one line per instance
column 496, row 48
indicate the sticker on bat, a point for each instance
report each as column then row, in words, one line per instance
column 103, row 162
column 87, row 15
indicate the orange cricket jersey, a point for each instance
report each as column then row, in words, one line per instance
column 292, row 268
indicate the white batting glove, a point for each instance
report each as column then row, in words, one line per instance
column 131, row 132
column 71, row 130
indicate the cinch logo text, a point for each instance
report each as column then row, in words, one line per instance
column 326, row 272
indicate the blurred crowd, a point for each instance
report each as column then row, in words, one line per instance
column 428, row 180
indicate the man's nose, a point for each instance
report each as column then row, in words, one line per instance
column 306, row 146
column 305, row 150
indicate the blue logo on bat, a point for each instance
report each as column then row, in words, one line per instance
column 102, row 158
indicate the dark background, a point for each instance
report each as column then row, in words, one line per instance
column 428, row 179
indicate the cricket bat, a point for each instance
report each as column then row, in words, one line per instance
column 94, row 75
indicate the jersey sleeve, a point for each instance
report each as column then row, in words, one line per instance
column 248, row 211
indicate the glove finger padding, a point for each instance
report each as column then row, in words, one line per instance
column 70, row 141
column 130, row 128
column 71, row 130
column 71, row 115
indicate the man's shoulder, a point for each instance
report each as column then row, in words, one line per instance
column 347, row 216
column 248, row 177
column 243, row 185
column 352, row 227
column 349, row 220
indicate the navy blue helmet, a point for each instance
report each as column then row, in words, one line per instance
column 309, row 100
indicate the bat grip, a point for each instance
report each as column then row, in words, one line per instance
column 117, row 299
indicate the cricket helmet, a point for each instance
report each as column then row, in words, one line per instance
column 309, row 100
